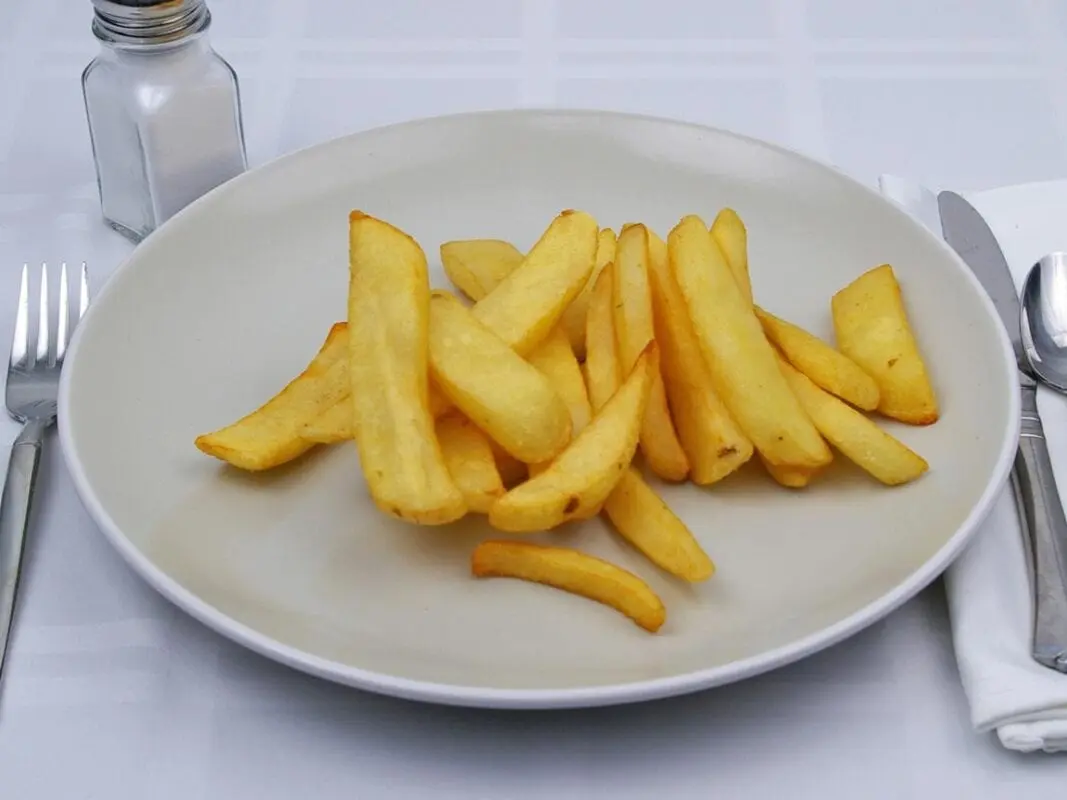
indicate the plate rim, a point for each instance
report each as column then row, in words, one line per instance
column 520, row 699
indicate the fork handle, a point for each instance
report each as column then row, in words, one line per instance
column 15, row 506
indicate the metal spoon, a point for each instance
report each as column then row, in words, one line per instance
column 1044, row 339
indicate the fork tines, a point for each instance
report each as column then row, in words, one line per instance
column 52, row 334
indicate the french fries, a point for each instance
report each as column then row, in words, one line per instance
column 730, row 235
column 527, row 304
column 388, row 333
column 476, row 266
column 872, row 329
column 272, row 434
column 574, row 572
column 573, row 321
column 470, row 461
column 713, row 442
column 864, row 443
column 528, row 407
column 634, row 329
column 743, row 365
column 601, row 366
column 642, row 518
column 580, row 479
column 828, row 368
column 488, row 381
column 554, row 359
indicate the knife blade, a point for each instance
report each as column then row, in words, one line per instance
column 1037, row 498
column 968, row 234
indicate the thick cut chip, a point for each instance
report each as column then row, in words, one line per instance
column 476, row 266
column 334, row 424
column 493, row 386
column 730, row 235
column 714, row 443
column 634, row 329
column 574, row 572
column 743, row 365
column 887, row 459
column 526, row 305
column 643, row 519
column 828, row 368
column 470, row 461
column 388, row 331
column 872, row 329
column 272, row 434
column 601, row 367
column 580, row 479
column 554, row 359
column 574, row 317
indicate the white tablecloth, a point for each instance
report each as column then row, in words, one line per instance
column 113, row 693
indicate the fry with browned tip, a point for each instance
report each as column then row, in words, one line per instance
column 388, row 348
column 885, row 458
column 714, row 443
column 272, row 434
column 872, row 329
column 579, row 479
column 572, row 571
column 743, row 365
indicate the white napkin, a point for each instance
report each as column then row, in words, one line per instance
column 988, row 586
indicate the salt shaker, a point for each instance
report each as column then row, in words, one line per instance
column 163, row 108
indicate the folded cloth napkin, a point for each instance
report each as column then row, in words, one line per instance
column 988, row 586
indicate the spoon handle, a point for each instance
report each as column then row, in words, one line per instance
column 1039, row 500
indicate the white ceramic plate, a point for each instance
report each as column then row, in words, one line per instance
column 228, row 300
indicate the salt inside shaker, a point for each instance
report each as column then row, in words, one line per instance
column 163, row 108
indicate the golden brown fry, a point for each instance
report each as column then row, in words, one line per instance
column 580, row 479
column 573, row 320
column 334, row 424
column 470, row 461
column 554, row 359
column 714, row 443
column 526, row 305
column 730, row 235
column 863, row 442
column 574, row 572
column 743, row 365
column 790, row 477
column 872, row 329
column 494, row 387
column 272, row 434
column 634, row 329
column 642, row 518
column 828, row 368
column 601, row 367
column 388, row 331
column 476, row 266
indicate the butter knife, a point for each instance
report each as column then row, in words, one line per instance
column 1037, row 497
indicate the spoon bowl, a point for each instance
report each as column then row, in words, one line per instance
column 1044, row 320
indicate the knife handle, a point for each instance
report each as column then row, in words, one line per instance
column 1046, row 526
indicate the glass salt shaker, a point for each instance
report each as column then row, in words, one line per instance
column 163, row 108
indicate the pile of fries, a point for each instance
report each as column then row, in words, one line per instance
column 538, row 399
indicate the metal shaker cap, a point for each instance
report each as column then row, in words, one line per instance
column 148, row 22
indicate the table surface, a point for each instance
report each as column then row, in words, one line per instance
column 114, row 693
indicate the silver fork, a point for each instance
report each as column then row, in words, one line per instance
column 32, row 389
